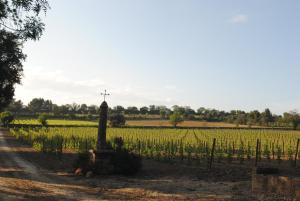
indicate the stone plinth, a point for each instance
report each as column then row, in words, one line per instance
column 279, row 184
column 103, row 163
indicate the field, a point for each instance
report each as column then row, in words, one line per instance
column 165, row 123
column 190, row 145
column 141, row 123
column 55, row 122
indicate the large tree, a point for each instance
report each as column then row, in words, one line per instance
column 19, row 21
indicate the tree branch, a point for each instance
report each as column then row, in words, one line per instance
column 1, row 23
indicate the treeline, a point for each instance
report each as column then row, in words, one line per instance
column 90, row 112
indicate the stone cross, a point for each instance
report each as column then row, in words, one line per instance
column 104, row 94
column 101, row 142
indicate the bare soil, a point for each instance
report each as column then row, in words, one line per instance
column 29, row 175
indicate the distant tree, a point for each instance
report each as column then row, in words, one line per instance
column 19, row 22
column 292, row 118
column 144, row 110
column 93, row 109
column 15, row 106
column 277, row 119
column 73, row 108
column 6, row 118
column 42, row 119
column 168, row 112
column 190, row 117
column 47, row 106
column 188, row 110
column 178, row 109
column 241, row 119
column 63, row 109
column 118, row 109
column 39, row 105
column 175, row 119
column 117, row 120
column 83, row 108
column 154, row 109
column 56, row 109
column 132, row 110
column 201, row 110
column 266, row 117
column 163, row 113
column 209, row 114
column 253, row 117
column 89, row 117
column 36, row 105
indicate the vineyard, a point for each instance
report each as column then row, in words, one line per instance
column 55, row 122
column 191, row 145
column 137, row 123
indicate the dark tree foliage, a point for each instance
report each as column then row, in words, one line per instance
column 16, row 106
column 42, row 119
column 123, row 161
column 11, row 58
column 19, row 21
column 132, row 110
column 6, row 118
column 292, row 118
column 38, row 105
column 117, row 120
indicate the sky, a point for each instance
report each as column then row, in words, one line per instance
column 222, row 54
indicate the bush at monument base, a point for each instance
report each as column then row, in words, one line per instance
column 6, row 118
column 126, row 163
column 118, row 161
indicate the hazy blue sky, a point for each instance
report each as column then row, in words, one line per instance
column 217, row 54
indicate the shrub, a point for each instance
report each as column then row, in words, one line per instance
column 116, row 120
column 89, row 117
column 42, row 119
column 190, row 117
column 116, row 161
column 119, row 142
column 126, row 163
column 123, row 161
column 6, row 118
column 71, row 116
column 175, row 119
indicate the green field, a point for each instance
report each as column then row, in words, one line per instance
column 171, row 144
column 55, row 122
column 139, row 123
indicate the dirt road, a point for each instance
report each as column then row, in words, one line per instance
column 21, row 180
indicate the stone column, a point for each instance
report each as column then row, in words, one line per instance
column 101, row 143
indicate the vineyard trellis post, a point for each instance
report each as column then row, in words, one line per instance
column 212, row 153
column 297, row 150
column 256, row 153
